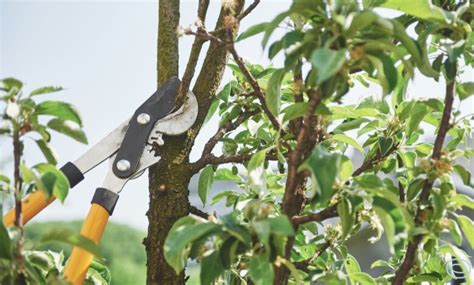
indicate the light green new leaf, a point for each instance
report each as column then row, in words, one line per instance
column 455, row 232
column 71, row 238
column 61, row 110
column 462, row 200
column 256, row 160
column 261, row 270
column 47, row 151
column 68, row 128
column 344, row 209
column 324, row 167
column 388, row 226
column 273, row 91
column 465, row 90
column 464, row 174
column 362, row 278
column 348, row 140
column 206, row 179
column 467, row 226
column 252, row 31
column 11, row 82
column 328, row 62
column 53, row 181
column 294, row 111
column 418, row 112
column 183, row 233
column 45, row 90
column 422, row 9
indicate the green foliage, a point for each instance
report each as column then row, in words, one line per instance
column 298, row 171
column 24, row 117
column 338, row 45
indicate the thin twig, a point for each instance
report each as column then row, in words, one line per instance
column 195, row 211
column 248, row 10
column 255, row 86
column 325, row 214
column 405, row 267
column 303, row 265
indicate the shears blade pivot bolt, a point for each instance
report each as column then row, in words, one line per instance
column 143, row 119
column 123, row 165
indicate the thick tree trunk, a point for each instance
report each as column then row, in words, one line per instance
column 169, row 179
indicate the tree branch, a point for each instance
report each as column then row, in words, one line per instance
column 195, row 211
column 256, row 87
column 322, row 215
column 195, row 51
column 405, row 267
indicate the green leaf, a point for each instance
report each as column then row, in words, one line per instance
column 5, row 243
column 69, row 129
column 388, row 226
column 212, row 110
column 45, row 90
column 348, row 140
column 281, row 225
column 47, row 151
column 324, row 167
column 183, row 233
column 206, row 179
column 261, row 270
column 344, row 209
column 360, row 22
column 464, row 174
column 102, row 270
column 462, row 200
column 465, row 90
column 71, row 238
column 273, row 91
column 252, row 31
column 271, row 26
column 328, row 62
column 53, row 181
column 61, row 110
column 385, row 144
column 418, row 112
column 211, row 268
column 11, row 82
column 256, row 160
column 455, row 232
column 346, row 168
column 422, row 9
column 362, row 278
column 351, row 264
column 225, row 174
column 467, row 227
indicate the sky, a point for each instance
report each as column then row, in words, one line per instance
column 104, row 54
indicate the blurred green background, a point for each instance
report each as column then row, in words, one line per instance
column 121, row 246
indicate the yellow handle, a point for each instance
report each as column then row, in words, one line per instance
column 80, row 259
column 31, row 206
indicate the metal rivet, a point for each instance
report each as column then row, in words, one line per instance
column 123, row 165
column 143, row 119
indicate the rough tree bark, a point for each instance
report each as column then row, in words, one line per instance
column 169, row 179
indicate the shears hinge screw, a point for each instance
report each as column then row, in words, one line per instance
column 123, row 165
column 143, row 119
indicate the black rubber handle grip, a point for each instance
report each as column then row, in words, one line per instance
column 106, row 199
column 73, row 174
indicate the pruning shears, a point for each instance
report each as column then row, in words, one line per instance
column 131, row 148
